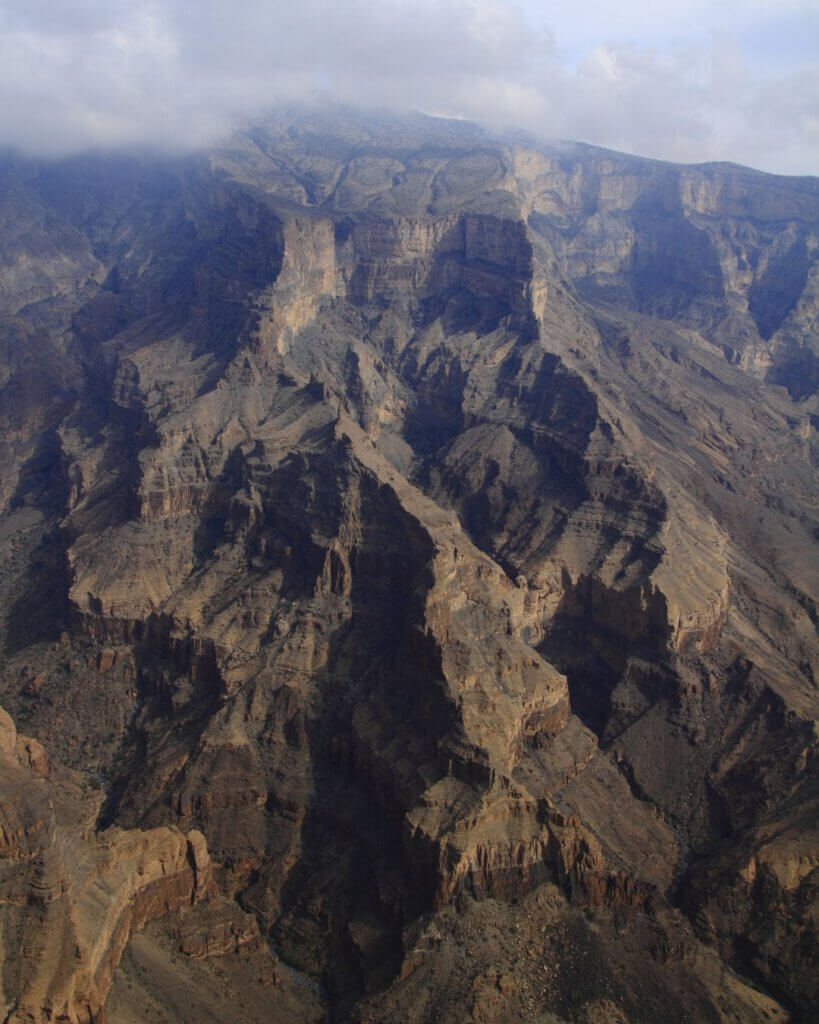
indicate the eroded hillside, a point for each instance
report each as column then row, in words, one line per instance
column 419, row 531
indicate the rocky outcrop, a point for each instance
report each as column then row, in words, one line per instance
column 419, row 525
column 220, row 928
column 71, row 901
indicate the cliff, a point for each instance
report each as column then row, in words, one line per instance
column 422, row 525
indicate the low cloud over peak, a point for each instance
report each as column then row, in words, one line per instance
column 171, row 73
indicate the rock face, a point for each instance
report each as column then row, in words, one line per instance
column 409, row 533
column 71, row 900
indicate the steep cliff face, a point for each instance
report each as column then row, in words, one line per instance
column 418, row 518
column 71, row 900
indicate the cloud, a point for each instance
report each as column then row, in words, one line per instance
column 179, row 73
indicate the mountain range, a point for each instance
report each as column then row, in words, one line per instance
column 408, row 609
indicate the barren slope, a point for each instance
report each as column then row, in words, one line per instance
column 429, row 522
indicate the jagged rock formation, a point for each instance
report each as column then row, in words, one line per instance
column 71, row 900
column 427, row 521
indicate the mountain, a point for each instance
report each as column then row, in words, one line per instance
column 408, row 606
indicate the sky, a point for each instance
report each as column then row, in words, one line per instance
column 683, row 80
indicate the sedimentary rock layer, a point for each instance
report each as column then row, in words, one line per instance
column 418, row 523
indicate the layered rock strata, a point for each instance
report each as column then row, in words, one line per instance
column 421, row 519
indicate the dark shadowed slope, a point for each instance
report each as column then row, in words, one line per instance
column 410, row 575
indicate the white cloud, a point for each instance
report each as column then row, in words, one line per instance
column 75, row 73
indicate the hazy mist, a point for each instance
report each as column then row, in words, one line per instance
column 692, row 82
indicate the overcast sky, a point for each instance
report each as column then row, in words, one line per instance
column 684, row 80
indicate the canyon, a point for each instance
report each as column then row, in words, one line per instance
column 409, row 595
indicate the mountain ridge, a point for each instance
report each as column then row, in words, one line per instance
column 431, row 530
